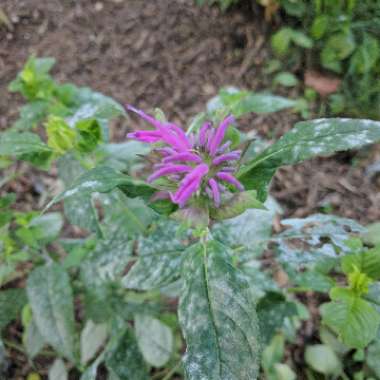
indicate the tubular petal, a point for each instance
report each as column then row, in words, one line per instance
column 169, row 169
column 215, row 191
column 184, row 156
column 203, row 133
column 230, row 156
column 230, row 179
column 219, row 134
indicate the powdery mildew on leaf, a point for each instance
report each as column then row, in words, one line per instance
column 51, row 300
column 307, row 139
column 160, row 259
column 218, row 317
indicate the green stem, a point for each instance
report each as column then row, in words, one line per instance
column 172, row 371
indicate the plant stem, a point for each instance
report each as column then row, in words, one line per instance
column 172, row 371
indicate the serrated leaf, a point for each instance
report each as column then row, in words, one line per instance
column 11, row 303
column 14, row 143
column 236, row 205
column 124, row 358
column 323, row 359
column 354, row 320
column 217, row 315
column 307, row 139
column 154, row 339
column 367, row 262
column 92, row 338
column 58, row 370
column 51, row 299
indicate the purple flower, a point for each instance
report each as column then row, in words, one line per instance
column 201, row 164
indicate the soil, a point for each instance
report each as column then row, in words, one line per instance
column 174, row 55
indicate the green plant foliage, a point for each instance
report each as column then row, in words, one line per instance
column 96, row 282
column 214, row 290
column 306, row 140
column 354, row 319
column 50, row 296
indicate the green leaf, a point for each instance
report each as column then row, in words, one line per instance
column 280, row 41
column 123, row 155
column 217, row 315
column 107, row 262
column 46, row 228
column 19, row 143
column 319, row 26
column 367, row 262
column 33, row 340
column 354, row 320
column 79, row 209
column 372, row 235
column 91, row 371
column 272, row 310
column 58, row 370
column 273, row 353
column 51, row 299
column 372, row 359
column 103, row 180
column 366, row 55
column 92, row 338
column 132, row 214
column 301, row 39
column 154, row 339
column 34, row 82
column 249, row 232
column 236, row 205
column 307, row 139
column 61, row 138
column 31, row 114
column 285, row 79
column 124, row 358
column 322, row 359
column 284, row 372
column 160, row 258
column 11, row 303
column 89, row 135
column 240, row 103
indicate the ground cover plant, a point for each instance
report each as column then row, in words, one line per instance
column 338, row 38
column 173, row 216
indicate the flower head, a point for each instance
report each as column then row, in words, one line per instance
column 200, row 163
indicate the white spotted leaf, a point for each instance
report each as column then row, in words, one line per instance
column 307, row 139
column 217, row 316
column 51, row 299
column 154, row 339
column 160, row 258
